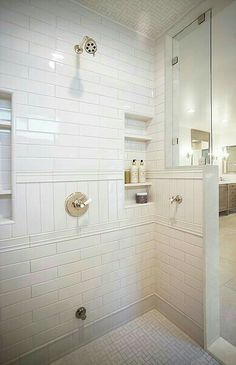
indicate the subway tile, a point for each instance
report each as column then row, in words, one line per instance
column 23, row 281
column 49, row 335
column 26, row 254
column 56, row 308
column 16, row 350
column 79, row 288
column 33, row 165
column 78, row 243
column 79, row 266
column 14, row 297
column 194, row 261
column 188, row 248
column 30, row 330
column 41, row 27
column 10, row 271
column 55, row 260
column 13, row 69
column 15, row 310
column 70, row 118
column 16, row 322
column 10, row 15
column 90, row 252
column 56, row 284
column 29, row 10
column 99, row 271
column 17, row 44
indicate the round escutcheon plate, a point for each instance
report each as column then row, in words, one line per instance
column 72, row 204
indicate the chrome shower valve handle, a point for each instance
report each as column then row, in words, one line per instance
column 176, row 199
column 77, row 204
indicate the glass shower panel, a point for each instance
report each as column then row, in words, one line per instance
column 191, row 93
column 224, row 152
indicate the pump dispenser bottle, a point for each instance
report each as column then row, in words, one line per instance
column 142, row 172
column 134, row 173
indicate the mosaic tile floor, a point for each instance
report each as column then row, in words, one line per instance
column 150, row 339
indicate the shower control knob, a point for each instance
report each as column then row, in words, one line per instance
column 77, row 204
column 81, row 313
column 176, row 199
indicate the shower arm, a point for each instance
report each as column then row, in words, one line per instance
column 79, row 48
column 84, row 40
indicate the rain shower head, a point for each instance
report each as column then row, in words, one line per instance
column 88, row 44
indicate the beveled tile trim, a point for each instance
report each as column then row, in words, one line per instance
column 67, row 176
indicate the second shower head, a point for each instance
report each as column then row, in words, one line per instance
column 88, row 44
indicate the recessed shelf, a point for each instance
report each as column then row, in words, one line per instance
column 6, row 148
column 6, row 221
column 138, row 185
column 5, row 192
column 144, row 118
column 134, row 137
column 5, row 109
column 5, row 124
column 135, row 205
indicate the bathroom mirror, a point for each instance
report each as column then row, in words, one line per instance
column 200, row 143
column 229, row 159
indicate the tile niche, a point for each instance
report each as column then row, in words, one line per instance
column 136, row 139
column 6, row 214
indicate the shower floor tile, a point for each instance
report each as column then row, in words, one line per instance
column 150, row 339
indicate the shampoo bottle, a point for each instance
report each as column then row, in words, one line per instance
column 134, row 173
column 142, row 172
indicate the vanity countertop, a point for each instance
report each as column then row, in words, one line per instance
column 223, row 182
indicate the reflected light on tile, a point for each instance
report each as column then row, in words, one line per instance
column 52, row 65
column 57, row 56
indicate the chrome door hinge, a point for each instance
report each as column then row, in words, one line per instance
column 201, row 18
column 175, row 60
column 175, row 141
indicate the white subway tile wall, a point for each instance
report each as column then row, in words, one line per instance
column 69, row 126
column 179, row 254
column 42, row 286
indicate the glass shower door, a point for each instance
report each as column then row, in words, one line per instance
column 191, row 93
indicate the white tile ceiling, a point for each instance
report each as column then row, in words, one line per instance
column 149, row 17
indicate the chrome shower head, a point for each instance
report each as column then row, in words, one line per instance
column 88, row 44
